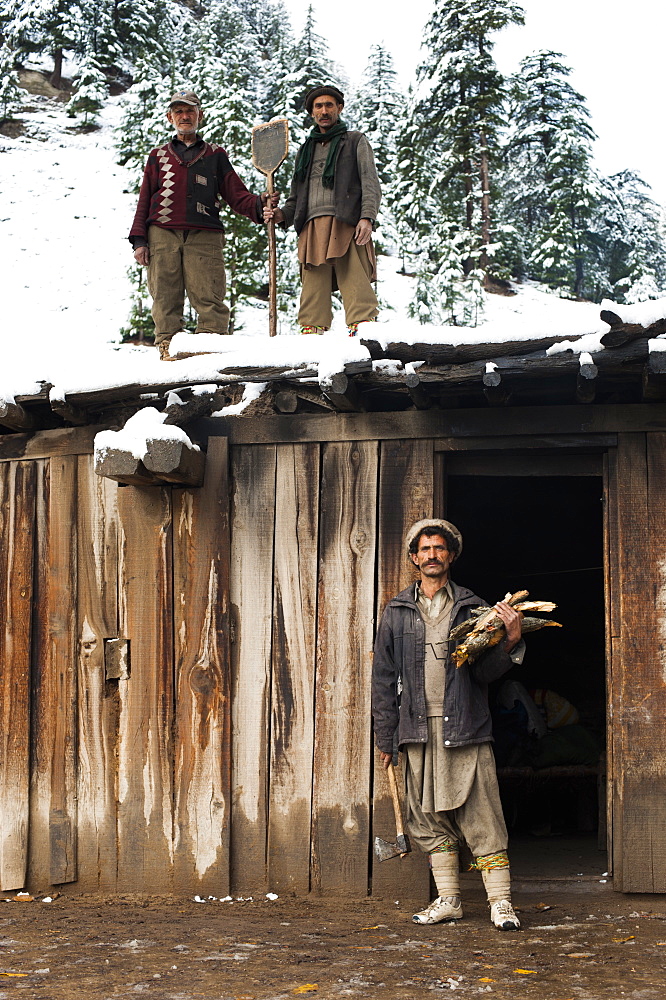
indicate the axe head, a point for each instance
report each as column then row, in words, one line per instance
column 385, row 851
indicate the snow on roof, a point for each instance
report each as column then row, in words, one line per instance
column 641, row 313
column 66, row 216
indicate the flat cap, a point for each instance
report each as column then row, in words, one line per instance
column 185, row 97
column 434, row 522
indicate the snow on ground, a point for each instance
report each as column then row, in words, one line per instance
column 65, row 217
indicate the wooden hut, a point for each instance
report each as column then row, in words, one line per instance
column 186, row 645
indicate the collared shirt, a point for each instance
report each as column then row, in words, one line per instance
column 433, row 607
column 185, row 152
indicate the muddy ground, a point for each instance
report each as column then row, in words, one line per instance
column 580, row 941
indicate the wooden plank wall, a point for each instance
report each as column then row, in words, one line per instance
column 639, row 666
column 232, row 750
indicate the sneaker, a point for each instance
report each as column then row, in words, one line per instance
column 442, row 908
column 503, row 916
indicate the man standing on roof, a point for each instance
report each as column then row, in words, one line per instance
column 438, row 715
column 177, row 230
column 333, row 205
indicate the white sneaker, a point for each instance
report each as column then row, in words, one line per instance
column 503, row 916
column 442, row 908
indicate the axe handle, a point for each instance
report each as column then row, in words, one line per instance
column 393, row 785
column 272, row 267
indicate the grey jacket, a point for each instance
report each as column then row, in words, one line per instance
column 398, row 678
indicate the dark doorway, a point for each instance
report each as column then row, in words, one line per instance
column 544, row 534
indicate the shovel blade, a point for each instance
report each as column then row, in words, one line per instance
column 386, row 851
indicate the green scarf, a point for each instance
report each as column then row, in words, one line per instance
column 333, row 135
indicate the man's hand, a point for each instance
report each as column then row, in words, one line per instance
column 512, row 623
column 142, row 256
column 363, row 232
column 385, row 759
column 274, row 213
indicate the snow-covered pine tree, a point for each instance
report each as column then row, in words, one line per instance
column 12, row 33
column 550, row 186
column 628, row 228
column 91, row 89
column 455, row 117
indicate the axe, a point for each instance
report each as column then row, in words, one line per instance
column 401, row 847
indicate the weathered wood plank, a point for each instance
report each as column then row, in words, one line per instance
column 456, row 354
column 406, row 488
column 613, row 643
column 17, row 525
column 546, row 442
column 145, row 817
column 640, row 688
column 342, row 754
column 99, row 699
column 251, row 590
column 293, row 667
column 53, row 816
column 202, row 770
column 456, row 423
column 45, row 444
column 643, row 602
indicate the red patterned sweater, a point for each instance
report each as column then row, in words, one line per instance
column 179, row 195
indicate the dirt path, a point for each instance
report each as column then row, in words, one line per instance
column 590, row 944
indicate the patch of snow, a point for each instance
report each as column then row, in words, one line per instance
column 252, row 391
column 641, row 313
column 144, row 426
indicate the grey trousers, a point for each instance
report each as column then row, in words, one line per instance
column 478, row 821
column 189, row 261
column 352, row 273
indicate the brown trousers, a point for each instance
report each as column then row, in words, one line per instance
column 189, row 261
column 352, row 273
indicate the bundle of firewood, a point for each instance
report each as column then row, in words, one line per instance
column 486, row 628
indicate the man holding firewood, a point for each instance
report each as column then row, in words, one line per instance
column 438, row 715
column 333, row 204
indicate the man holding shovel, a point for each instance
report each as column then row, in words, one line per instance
column 177, row 232
column 438, row 715
column 332, row 205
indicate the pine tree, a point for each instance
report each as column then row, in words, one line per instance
column 443, row 188
column 628, row 229
column 552, row 190
column 91, row 90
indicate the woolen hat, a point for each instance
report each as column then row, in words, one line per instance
column 185, row 97
column 434, row 522
column 311, row 96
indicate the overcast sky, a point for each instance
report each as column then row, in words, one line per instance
column 615, row 51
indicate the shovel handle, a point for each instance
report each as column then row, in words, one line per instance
column 272, row 267
column 393, row 785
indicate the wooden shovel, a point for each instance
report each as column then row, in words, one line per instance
column 270, row 144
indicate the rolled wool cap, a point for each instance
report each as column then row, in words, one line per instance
column 185, row 97
column 433, row 522
column 319, row 92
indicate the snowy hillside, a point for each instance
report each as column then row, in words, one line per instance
column 65, row 220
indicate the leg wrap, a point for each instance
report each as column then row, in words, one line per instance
column 497, row 882
column 445, row 869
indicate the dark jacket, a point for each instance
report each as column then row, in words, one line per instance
column 347, row 188
column 398, row 678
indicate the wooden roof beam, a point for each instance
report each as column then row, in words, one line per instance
column 621, row 333
column 654, row 377
column 496, row 393
column 344, row 394
column 14, row 416
column 418, row 395
column 586, row 379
